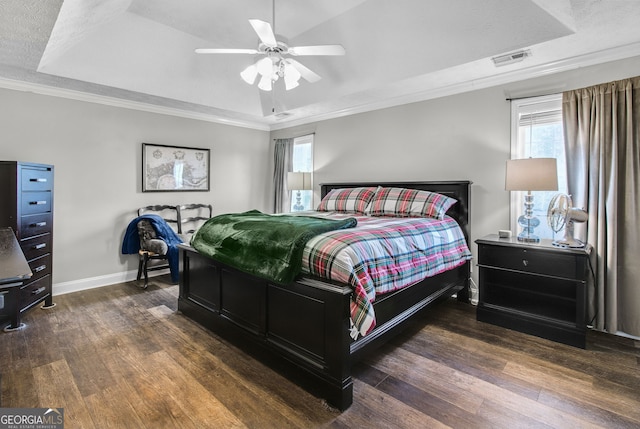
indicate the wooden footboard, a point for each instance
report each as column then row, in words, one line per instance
column 306, row 322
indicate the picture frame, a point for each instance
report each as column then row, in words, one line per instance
column 174, row 168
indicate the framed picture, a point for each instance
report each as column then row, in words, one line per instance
column 174, row 168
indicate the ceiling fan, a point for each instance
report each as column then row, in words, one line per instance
column 276, row 62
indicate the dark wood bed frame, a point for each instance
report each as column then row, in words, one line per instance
column 307, row 322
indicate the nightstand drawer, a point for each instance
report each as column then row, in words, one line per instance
column 529, row 260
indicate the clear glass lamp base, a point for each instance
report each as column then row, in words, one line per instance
column 528, row 224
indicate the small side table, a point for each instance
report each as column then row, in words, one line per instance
column 535, row 288
column 14, row 270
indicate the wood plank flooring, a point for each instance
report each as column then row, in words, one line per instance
column 121, row 357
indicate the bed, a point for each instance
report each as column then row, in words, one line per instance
column 308, row 321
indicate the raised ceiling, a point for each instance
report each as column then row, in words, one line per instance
column 141, row 52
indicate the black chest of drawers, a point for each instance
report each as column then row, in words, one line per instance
column 537, row 288
column 26, row 205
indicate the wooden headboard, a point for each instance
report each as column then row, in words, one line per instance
column 457, row 189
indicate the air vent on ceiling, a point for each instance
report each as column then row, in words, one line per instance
column 513, row 57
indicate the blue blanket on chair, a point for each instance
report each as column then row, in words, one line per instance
column 131, row 242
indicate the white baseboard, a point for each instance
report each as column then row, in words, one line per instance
column 94, row 282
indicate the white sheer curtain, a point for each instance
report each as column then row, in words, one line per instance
column 282, row 164
column 602, row 138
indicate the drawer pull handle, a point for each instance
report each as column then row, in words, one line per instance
column 525, row 262
column 40, row 246
column 38, row 179
column 38, row 224
column 38, row 291
column 40, row 268
column 37, row 203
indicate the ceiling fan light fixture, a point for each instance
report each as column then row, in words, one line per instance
column 276, row 63
column 265, row 83
column 265, row 67
column 249, row 74
column 291, row 76
column 290, row 84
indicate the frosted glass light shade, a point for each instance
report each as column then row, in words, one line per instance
column 265, row 67
column 265, row 83
column 291, row 76
column 249, row 74
column 532, row 174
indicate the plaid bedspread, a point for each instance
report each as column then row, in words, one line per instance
column 383, row 254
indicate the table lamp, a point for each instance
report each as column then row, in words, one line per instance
column 298, row 181
column 531, row 174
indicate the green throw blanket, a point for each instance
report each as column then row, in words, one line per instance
column 267, row 246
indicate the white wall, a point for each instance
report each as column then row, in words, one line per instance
column 464, row 136
column 97, row 154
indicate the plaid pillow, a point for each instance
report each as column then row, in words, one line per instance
column 401, row 202
column 348, row 200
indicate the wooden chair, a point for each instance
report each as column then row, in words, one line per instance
column 191, row 217
column 152, row 248
column 184, row 220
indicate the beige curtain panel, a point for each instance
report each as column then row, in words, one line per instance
column 602, row 133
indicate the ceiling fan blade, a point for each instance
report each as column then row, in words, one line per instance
column 264, row 32
column 307, row 74
column 317, row 50
column 226, row 51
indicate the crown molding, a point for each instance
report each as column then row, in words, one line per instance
column 71, row 94
column 590, row 59
column 594, row 58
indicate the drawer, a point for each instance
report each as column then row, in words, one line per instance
column 549, row 263
column 35, row 224
column 37, row 179
column 34, row 292
column 37, row 246
column 8, row 297
column 40, row 266
column 36, row 202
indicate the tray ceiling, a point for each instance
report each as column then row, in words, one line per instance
column 142, row 51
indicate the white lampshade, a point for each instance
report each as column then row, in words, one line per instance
column 532, row 174
column 298, row 181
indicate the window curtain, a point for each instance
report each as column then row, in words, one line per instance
column 602, row 128
column 282, row 164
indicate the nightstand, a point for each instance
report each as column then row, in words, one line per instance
column 535, row 288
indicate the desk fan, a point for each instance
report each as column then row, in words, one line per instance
column 561, row 215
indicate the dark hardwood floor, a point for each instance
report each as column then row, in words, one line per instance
column 121, row 357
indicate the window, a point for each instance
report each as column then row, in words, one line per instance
column 536, row 132
column 302, row 161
